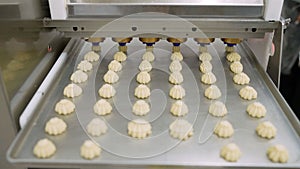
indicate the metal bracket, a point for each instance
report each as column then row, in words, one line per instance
column 285, row 22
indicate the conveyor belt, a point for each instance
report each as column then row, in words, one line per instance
column 160, row 149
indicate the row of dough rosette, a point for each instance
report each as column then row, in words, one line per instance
column 140, row 128
column 180, row 129
column 265, row 129
column 46, row 148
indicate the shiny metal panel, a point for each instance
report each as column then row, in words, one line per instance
column 187, row 154
column 174, row 2
column 182, row 8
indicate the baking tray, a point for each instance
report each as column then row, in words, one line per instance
column 120, row 150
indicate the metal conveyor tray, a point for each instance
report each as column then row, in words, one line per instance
column 201, row 150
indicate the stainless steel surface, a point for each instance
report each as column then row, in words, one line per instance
column 29, row 82
column 202, row 150
column 182, row 8
column 212, row 28
column 274, row 65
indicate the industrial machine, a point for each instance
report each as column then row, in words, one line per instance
column 250, row 27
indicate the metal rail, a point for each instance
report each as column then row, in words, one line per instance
column 173, row 26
